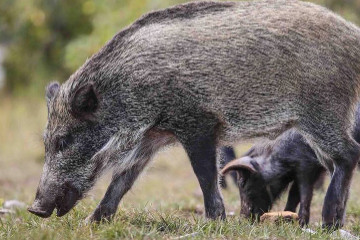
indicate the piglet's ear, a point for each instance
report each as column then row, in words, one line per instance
column 84, row 102
column 51, row 91
column 244, row 163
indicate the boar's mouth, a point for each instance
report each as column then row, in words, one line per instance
column 65, row 203
column 44, row 206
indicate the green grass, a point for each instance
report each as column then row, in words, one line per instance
column 136, row 223
column 164, row 203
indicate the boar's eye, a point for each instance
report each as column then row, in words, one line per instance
column 63, row 142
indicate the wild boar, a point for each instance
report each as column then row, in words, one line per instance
column 204, row 74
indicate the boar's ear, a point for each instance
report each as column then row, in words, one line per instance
column 51, row 91
column 84, row 102
column 244, row 163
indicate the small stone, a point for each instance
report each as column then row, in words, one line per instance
column 308, row 230
column 13, row 204
column 231, row 213
column 344, row 235
column 5, row 211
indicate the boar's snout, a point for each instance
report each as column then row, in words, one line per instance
column 64, row 199
column 42, row 208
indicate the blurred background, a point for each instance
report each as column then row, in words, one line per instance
column 44, row 40
column 47, row 40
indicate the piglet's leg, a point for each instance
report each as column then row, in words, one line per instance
column 227, row 154
column 306, row 193
column 293, row 198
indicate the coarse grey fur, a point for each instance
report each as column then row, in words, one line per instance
column 204, row 74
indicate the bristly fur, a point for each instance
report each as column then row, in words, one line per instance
column 210, row 74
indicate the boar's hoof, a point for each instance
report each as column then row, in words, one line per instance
column 216, row 214
column 331, row 227
column 101, row 213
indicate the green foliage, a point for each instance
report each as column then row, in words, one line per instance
column 108, row 19
column 350, row 9
column 49, row 39
column 36, row 33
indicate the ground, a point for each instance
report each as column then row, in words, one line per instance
column 164, row 203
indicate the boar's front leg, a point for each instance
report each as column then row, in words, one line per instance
column 202, row 153
column 128, row 166
column 119, row 186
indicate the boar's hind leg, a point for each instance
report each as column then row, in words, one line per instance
column 293, row 198
column 202, row 153
column 333, row 140
column 333, row 212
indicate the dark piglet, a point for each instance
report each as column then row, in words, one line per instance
column 267, row 169
column 265, row 172
column 227, row 154
column 204, row 74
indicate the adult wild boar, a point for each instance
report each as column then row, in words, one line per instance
column 204, row 74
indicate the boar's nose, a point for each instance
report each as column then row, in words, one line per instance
column 43, row 205
column 41, row 208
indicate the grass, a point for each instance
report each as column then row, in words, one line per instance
column 164, row 203
column 167, row 223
